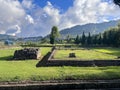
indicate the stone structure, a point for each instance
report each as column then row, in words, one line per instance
column 72, row 55
column 118, row 57
column 27, row 53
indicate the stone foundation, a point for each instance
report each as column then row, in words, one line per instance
column 27, row 53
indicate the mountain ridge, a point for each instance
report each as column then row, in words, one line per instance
column 93, row 28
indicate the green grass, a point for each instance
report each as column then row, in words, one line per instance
column 111, row 51
column 92, row 54
column 6, row 54
column 44, row 50
column 26, row 70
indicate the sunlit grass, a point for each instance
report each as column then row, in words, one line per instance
column 26, row 70
column 112, row 51
column 88, row 54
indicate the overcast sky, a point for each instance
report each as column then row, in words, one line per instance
column 26, row 18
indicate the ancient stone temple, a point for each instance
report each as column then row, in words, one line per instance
column 27, row 53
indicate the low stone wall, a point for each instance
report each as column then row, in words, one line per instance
column 83, row 63
column 49, row 61
column 66, row 85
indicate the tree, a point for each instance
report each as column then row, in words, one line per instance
column 89, row 41
column 68, row 38
column 100, row 39
column 105, row 38
column 94, row 39
column 54, row 34
column 83, row 39
column 77, row 39
column 117, row 2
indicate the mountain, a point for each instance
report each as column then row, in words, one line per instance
column 93, row 28
column 33, row 39
column 6, row 37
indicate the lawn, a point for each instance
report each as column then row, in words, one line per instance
column 89, row 54
column 111, row 51
column 26, row 70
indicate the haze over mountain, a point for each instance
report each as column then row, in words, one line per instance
column 93, row 28
column 7, row 37
column 4, row 37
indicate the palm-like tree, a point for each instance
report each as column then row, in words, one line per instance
column 117, row 2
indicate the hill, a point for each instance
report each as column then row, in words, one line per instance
column 93, row 28
column 32, row 39
column 6, row 37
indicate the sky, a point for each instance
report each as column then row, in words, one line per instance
column 28, row 18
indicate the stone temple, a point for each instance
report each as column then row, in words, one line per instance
column 27, row 53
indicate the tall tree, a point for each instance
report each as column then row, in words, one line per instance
column 94, row 39
column 100, row 39
column 89, row 41
column 83, row 39
column 77, row 39
column 54, row 34
column 105, row 38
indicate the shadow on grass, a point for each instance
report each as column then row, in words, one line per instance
column 6, row 58
column 109, row 73
column 117, row 53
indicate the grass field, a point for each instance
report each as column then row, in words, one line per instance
column 110, row 51
column 26, row 70
column 89, row 54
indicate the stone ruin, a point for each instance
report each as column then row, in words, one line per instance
column 27, row 53
column 72, row 55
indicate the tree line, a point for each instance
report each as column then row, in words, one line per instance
column 110, row 37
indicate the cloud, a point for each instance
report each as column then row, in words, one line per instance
column 28, row 19
column 14, row 18
column 82, row 12
column 89, row 11
column 13, row 30
column 27, row 4
column 44, row 18
column 11, row 14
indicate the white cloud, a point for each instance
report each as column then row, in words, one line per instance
column 44, row 19
column 89, row 11
column 15, row 19
column 27, row 4
column 29, row 19
column 82, row 12
column 13, row 30
column 11, row 14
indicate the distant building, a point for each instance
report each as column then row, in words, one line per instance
column 8, row 42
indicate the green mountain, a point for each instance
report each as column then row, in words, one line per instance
column 4, row 37
column 93, row 28
column 7, row 37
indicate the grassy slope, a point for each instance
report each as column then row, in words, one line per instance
column 26, row 70
column 94, row 54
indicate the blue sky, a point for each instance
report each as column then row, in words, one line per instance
column 61, row 4
column 28, row 18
